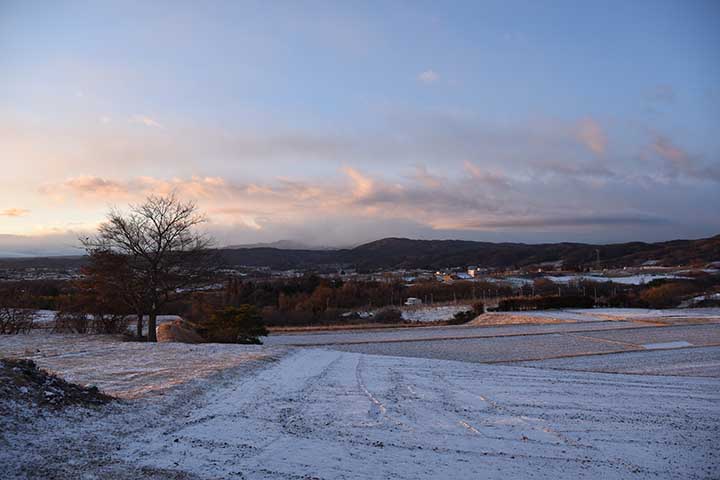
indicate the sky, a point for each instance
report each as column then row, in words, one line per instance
column 337, row 123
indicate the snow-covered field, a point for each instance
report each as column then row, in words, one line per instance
column 129, row 369
column 625, row 280
column 702, row 362
column 429, row 313
column 233, row 411
column 642, row 313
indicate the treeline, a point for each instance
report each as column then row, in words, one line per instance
column 92, row 304
column 660, row 293
column 312, row 300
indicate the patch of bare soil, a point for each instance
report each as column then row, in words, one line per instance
column 356, row 326
column 498, row 319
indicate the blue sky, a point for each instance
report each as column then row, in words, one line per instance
column 339, row 122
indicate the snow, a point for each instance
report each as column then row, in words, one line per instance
column 698, row 361
column 44, row 317
column 129, row 369
column 514, row 281
column 653, row 346
column 413, row 418
column 256, row 412
column 625, row 280
column 433, row 313
column 602, row 314
column 643, row 313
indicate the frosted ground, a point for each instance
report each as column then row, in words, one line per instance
column 428, row 313
column 284, row 412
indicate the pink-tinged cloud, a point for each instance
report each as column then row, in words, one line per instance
column 681, row 162
column 487, row 177
column 14, row 212
column 590, row 133
column 363, row 185
column 86, row 186
column 664, row 147
column 147, row 121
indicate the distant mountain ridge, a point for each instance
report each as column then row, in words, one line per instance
column 281, row 245
column 388, row 253
column 396, row 253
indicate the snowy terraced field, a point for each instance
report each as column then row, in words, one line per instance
column 382, row 404
column 327, row 414
column 699, row 362
column 500, row 349
column 435, row 333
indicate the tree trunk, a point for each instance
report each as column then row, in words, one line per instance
column 139, row 325
column 152, row 320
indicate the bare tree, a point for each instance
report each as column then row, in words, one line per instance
column 109, row 278
column 14, row 318
column 163, row 252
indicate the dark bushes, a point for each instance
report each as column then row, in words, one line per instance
column 388, row 315
column 466, row 316
column 242, row 324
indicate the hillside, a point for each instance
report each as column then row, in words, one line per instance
column 407, row 253
column 391, row 253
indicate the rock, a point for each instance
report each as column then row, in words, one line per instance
column 178, row 331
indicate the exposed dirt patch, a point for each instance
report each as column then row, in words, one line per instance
column 22, row 382
column 496, row 319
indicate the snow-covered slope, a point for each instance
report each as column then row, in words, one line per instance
column 327, row 414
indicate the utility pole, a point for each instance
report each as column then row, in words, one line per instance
column 597, row 262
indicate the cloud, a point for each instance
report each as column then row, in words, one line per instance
column 591, row 134
column 360, row 206
column 86, row 186
column 93, row 187
column 363, row 185
column 14, row 212
column 589, row 170
column 423, row 176
column 147, row 121
column 571, row 221
column 680, row 162
column 428, row 77
column 430, row 171
column 495, row 179
column 677, row 157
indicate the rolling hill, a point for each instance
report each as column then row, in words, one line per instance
column 394, row 253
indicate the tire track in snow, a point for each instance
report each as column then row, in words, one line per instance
column 532, row 423
column 378, row 408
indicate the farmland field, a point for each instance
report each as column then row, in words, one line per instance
column 586, row 399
